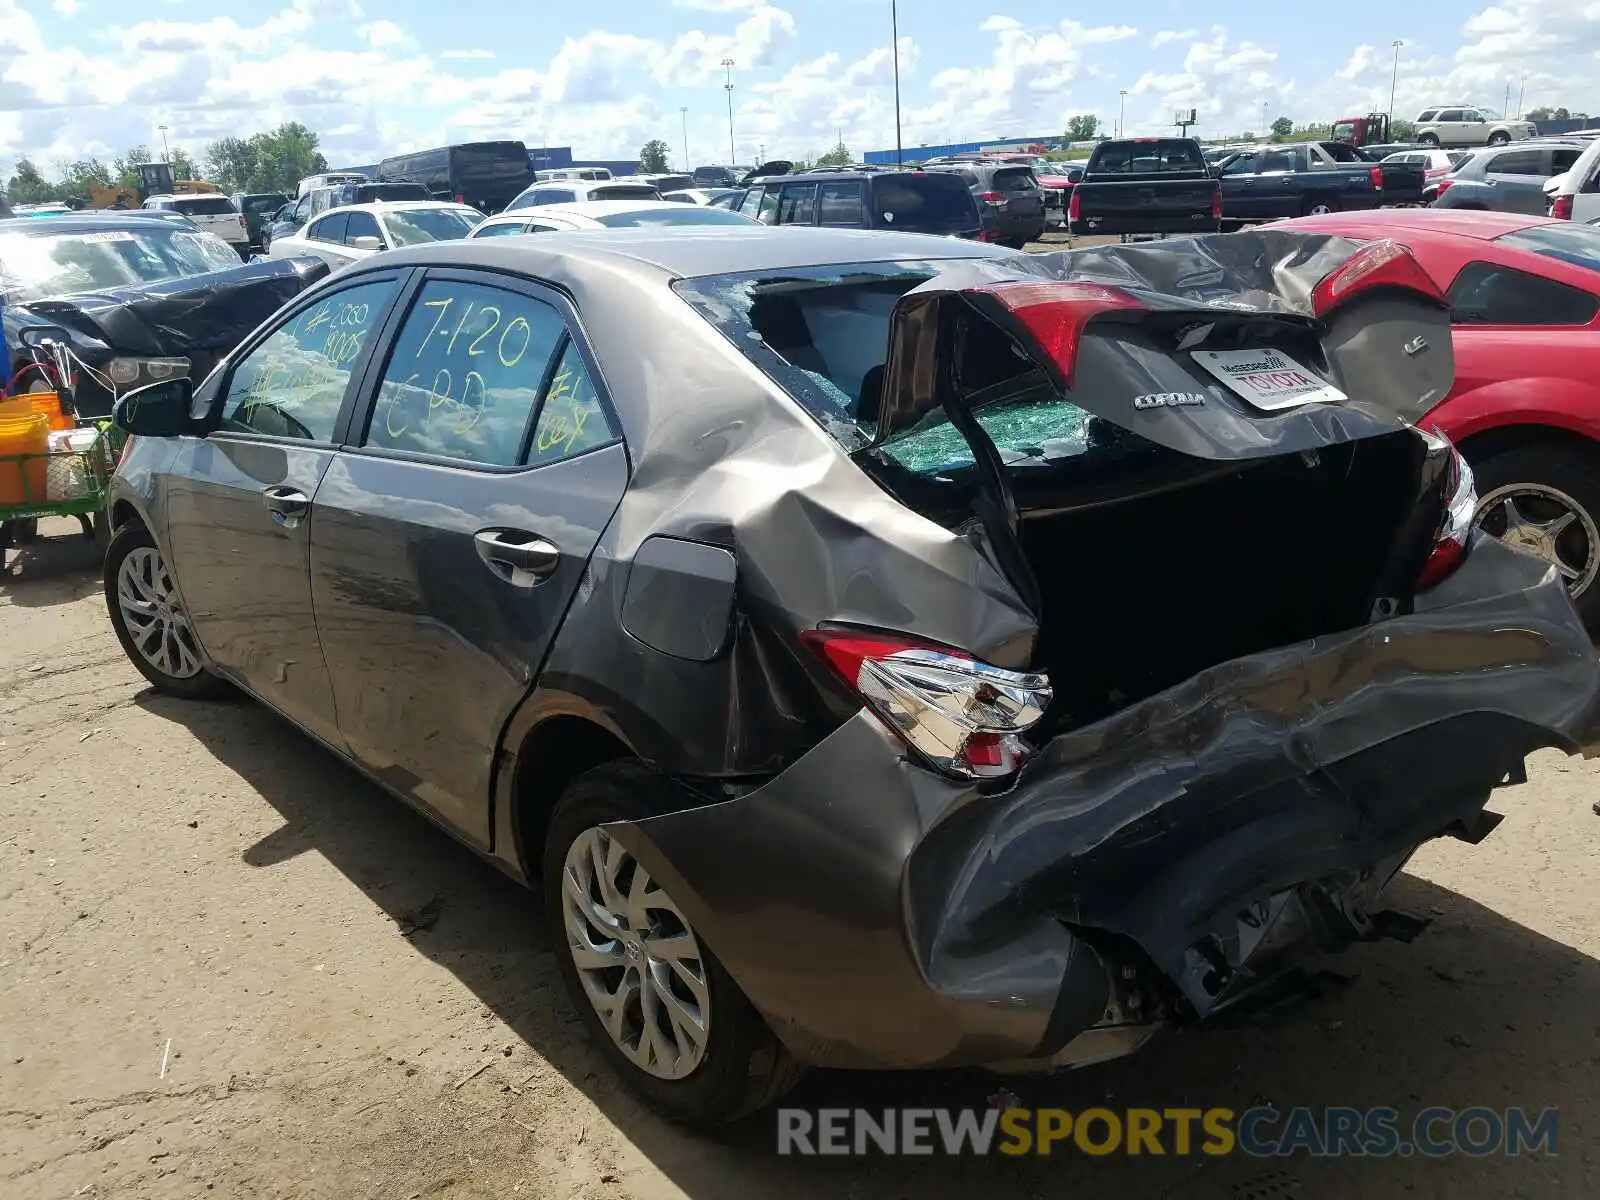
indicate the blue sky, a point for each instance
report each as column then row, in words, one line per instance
column 96, row 76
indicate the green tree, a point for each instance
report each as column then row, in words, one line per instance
column 231, row 163
column 653, row 157
column 285, row 156
column 125, row 167
column 1082, row 127
column 183, row 167
column 839, row 156
column 77, row 175
column 1403, row 131
column 28, row 186
column 1541, row 114
column 1282, row 128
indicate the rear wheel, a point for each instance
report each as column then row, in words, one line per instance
column 1546, row 500
column 1316, row 206
column 149, row 620
column 664, row 1012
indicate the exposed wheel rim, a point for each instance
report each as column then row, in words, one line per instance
column 636, row 957
column 1545, row 521
column 1318, row 210
column 154, row 619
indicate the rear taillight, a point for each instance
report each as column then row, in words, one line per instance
column 1376, row 175
column 1377, row 264
column 1216, row 202
column 1561, row 210
column 1444, row 186
column 1455, row 526
column 992, row 197
column 1074, row 207
column 461, row 198
column 986, row 235
column 1054, row 314
column 962, row 716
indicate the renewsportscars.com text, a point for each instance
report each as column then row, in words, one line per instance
column 1261, row 1132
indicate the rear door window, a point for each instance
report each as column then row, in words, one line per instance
column 798, row 205
column 328, row 229
column 1489, row 294
column 1430, row 114
column 1562, row 160
column 1018, row 179
column 360, row 224
column 1517, row 162
column 839, row 204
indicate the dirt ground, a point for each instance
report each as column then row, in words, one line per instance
column 348, row 1005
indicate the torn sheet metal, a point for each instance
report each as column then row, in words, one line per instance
column 880, row 916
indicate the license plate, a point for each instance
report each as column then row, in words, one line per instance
column 1268, row 379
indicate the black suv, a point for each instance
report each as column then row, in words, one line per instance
column 1008, row 196
column 905, row 201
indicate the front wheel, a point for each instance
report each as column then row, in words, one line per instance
column 1431, row 140
column 1499, row 138
column 1546, row 500
column 149, row 620
column 664, row 1012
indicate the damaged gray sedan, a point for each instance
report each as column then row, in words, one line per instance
column 883, row 651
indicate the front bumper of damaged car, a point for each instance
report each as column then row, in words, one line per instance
column 1168, row 864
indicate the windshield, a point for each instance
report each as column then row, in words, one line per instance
column 34, row 266
column 674, row 214
column 1577, row 245
column 934, row 200
column 413, row 226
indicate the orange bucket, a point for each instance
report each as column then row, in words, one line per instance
column 29, row 404
column 22, row 484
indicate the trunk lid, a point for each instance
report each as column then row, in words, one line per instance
column 1154, row 340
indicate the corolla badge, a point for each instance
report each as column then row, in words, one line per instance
column 1169, row 400
column 1416, row 345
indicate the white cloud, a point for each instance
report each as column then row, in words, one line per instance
column 467, row 55
column 67, row 8
column 386, row 35
column 1166, row 37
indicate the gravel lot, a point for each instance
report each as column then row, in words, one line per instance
column 349, row 1005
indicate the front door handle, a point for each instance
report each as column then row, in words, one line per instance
column 286, row 504
column 520, row 558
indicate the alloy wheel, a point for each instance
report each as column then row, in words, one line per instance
column 154, row 617
column 1546, row 522
column 636, row 956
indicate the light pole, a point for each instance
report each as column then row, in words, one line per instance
column 1394, row 76
column 1265, row 128
column 1522, row 90
column 1122, row 113
column 166, row 155
column 684, row 113
column 894, row 37
column 727, row 65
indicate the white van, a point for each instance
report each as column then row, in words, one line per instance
column 589, row 173
column 1577, row 196
column 329, row 179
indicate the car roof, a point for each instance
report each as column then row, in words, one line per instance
column 1481, row 224
column 379, row 206
column 687, row 251
column 82, row 222
column 581, row 208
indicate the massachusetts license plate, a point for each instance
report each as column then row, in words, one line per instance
column 1269, row 379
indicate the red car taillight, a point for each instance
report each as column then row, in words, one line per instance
column 1444, row 186
column 1377, row 264
column 962, row 716
column 1377, row 178
column 1455, row 527
column 1561, row 210
column 1074, row 207
column 1216, row 202
column 992, row 197
column 1054, row 314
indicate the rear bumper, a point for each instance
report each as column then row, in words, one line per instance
column 1168, row 861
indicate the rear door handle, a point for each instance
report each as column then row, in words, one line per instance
column 286, row 504
column 520, row 558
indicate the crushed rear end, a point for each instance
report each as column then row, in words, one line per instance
column 1269, row 660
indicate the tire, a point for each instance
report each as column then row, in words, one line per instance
column 1569, row 471
column 1429, row 139
column 173, row 641
column 743, row 1067
column 1499, row 138
column 1316, row 205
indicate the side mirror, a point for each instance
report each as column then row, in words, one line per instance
column 1216, row 172
column 155, row 410
column 1075, row 176
column 34, row 337
column 366, row 242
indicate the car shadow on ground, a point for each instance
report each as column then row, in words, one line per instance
column 1478, row 1011
column 57, row 567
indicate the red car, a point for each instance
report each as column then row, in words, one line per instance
column 1525, row 408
